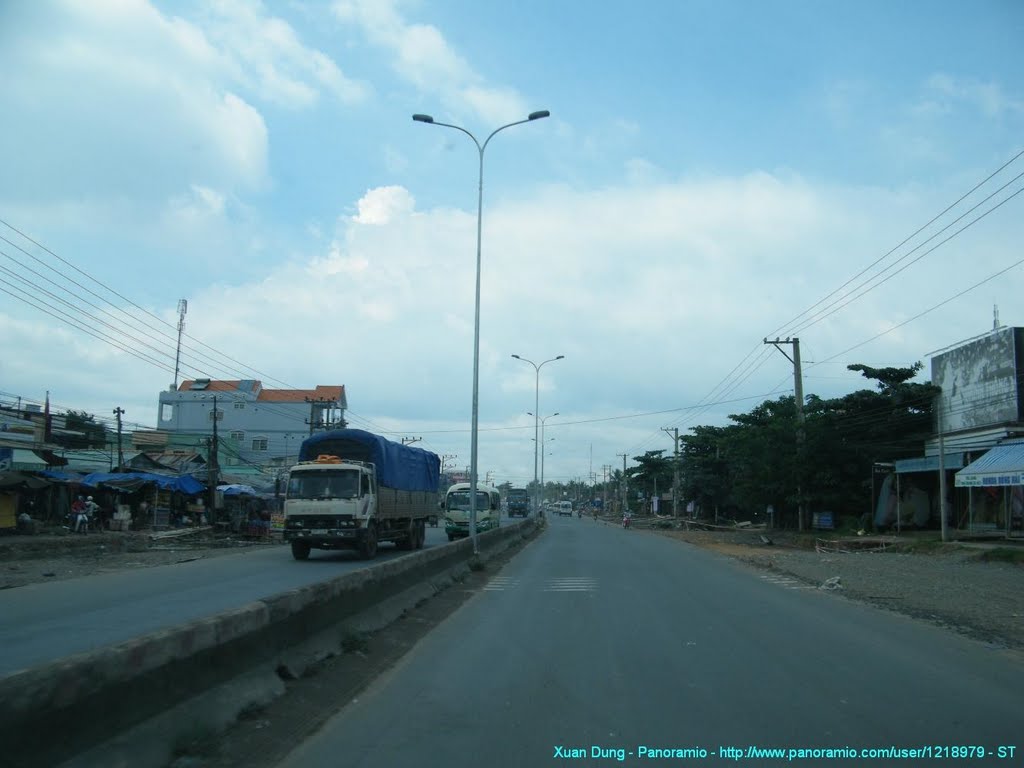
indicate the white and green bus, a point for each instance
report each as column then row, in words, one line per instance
column 456, row 509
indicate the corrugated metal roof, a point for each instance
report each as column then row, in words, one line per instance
column 1002, row 465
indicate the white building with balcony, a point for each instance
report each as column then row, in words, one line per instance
column 255, row 424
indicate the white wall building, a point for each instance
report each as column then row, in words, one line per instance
column 263, row 426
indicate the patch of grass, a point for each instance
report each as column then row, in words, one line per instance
column 1002, row 555
column 929, row 546
column 252, row 711
column 355, row 642
column 197, row 741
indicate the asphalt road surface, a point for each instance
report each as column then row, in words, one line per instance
column 40, row 623
column 595, row 644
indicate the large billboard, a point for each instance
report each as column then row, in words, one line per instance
column 979, row 380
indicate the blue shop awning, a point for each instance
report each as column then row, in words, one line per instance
column 928, row 463
column 1002, row 465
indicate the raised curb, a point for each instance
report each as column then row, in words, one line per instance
column 68, row 712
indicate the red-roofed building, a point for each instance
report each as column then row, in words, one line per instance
column 263, row 425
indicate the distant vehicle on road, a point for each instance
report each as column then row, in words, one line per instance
column 564, row 508
column 456, row 509
column 518, row 502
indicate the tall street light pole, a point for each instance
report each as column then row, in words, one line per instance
column 543, row 450
column 536, row 424
column 476, row 322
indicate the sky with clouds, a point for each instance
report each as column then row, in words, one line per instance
column 712, row 173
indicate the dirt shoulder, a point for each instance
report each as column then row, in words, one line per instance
column 46, row 557
column 974, row 589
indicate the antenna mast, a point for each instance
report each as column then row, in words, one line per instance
column 182, row 309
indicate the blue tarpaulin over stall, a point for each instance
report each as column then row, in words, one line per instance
column 403, row 467
column 130, row 481
column 234, row 489
column 61, row 475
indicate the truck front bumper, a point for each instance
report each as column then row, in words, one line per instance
column 326, row 533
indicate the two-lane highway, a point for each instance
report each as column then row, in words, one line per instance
column 45, row 622
column 595, row 644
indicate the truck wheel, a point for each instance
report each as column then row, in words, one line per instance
column 451, row 537
column 368, row 546
column 408, row 542
column 300, row 550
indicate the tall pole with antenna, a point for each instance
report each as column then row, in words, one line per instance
column 182, row 309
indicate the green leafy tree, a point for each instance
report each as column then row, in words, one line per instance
column 756, row 461
column 652, row 472
column 81, row 430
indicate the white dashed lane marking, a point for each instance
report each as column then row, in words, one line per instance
column 571, row 584
column 501, row 583
column 788, row 583
column 564, row 584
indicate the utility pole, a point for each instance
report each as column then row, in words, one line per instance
column 212, row 469
column 798, row 391
column 942, row 479
column 182, row 309
column 325, row 404
column 120, row 454
column 410, row 440
column 625, row 484
column 674, row 432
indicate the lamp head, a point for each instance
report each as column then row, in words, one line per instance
column 426, row 118
column 538, row 115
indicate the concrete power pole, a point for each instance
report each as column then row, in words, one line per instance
column 674, row 432
column 325, row 404
column 212, row 468
column 798, row 391
column 120, row 454
column 625, row 484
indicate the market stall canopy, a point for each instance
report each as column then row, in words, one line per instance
column 132, row 481
column 1002, row 465
column 61, row 475
column 14, row 479
column 235, row 489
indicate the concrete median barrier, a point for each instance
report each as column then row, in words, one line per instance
column 130, row 704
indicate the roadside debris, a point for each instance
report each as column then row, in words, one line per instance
column 831, row 584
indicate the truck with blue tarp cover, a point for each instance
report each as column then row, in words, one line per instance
column 518, row 501
column 352, row 489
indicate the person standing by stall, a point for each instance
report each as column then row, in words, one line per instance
column 92, row 513
column 79, row 521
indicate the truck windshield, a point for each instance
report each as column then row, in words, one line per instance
column 324, row 484
column 460, row 500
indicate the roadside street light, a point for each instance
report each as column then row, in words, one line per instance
column 543, row 451
column 476, row 322
column 536, row 424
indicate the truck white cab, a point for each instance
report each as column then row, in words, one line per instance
column 352, row 490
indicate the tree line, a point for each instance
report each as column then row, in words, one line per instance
column 765, row 457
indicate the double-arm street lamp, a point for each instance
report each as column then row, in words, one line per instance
column 543, row 451
column 536, row 423
column 476, row 323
